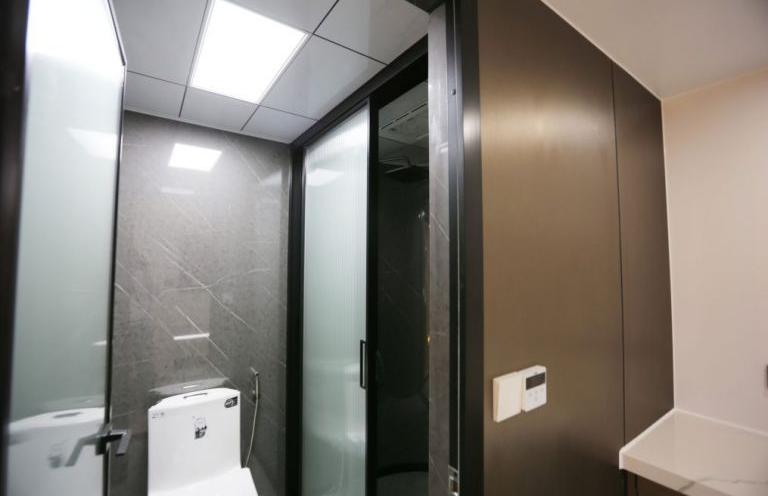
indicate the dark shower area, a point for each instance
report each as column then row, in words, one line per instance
column 402, row 358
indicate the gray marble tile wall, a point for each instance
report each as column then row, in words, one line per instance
column 439, row 258
column 200, row 286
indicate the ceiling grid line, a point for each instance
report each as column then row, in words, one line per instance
column 325, row 17
column 350, row 49
column 194, row 57
column 286, row 68
column 325, row 69
column 154, row 77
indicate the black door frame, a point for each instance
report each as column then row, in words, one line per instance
column 467, row 386
column 113, row 261
column 383, row 87
column 406, row 79
column 466, row 251
column 13, row 36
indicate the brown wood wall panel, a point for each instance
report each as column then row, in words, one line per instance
column 551, row 251
column 645, row 255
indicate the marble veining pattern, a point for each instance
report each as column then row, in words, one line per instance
column 200, row 285
column 700, row 456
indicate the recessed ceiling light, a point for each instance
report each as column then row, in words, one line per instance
column 242, row 52
column 194, row 158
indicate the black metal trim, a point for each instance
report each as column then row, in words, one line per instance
column 371, row 290
column 467, row 254
column 13, row 34
column 295, row 359
column 454, row 160
column 111, row 287
column 426, row 5
column 402, row 468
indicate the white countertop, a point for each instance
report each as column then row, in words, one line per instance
column 700, row 456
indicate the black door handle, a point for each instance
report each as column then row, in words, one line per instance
column 109, row 435
column 363, row 364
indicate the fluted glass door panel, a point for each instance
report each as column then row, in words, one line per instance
column 334, row 310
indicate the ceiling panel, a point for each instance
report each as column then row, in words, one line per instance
column 160, row 35
column 210, row 109
column 276, row 125
column 319, row 78
column 382, row 29
column 160, row 38
column 674, row 47
column 302, row 14
column 152, row 96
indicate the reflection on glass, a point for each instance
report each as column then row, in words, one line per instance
column 402, row 357
column 334, row 310
column 74, row 87
column 192, row 157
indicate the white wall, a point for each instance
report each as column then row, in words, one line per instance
column 716, row 146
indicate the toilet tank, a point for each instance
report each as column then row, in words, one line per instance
column 193, row 437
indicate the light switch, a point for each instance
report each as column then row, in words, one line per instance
column 507, row 396
column 520, row 391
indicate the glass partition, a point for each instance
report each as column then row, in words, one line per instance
column 335, row 252
column 73, row 93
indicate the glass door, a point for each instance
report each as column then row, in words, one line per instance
column 334, row 374
column 63, row 293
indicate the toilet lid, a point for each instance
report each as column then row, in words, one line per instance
column 236, row 482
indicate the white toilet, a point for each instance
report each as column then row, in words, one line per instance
column 194, row 446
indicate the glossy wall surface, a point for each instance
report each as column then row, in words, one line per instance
column 200, row 283
column 647, row 317
column 571, row 163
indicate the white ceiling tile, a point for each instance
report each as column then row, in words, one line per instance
column 319, row 78
column 674, row 47
column 210, row 109
column 302, row 14
column 160, row 35
column 382, row 29
column 276, row 125
column 152, row 96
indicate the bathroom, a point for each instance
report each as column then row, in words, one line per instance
column 383, row 248
column 204, row 264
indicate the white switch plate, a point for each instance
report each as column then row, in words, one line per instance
column 507, row 396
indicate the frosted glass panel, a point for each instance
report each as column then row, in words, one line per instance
column 71, row 128
column 335, row 215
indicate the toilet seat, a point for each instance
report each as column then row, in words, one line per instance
column 236, row 482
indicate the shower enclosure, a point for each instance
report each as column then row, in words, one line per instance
column 360, row 344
